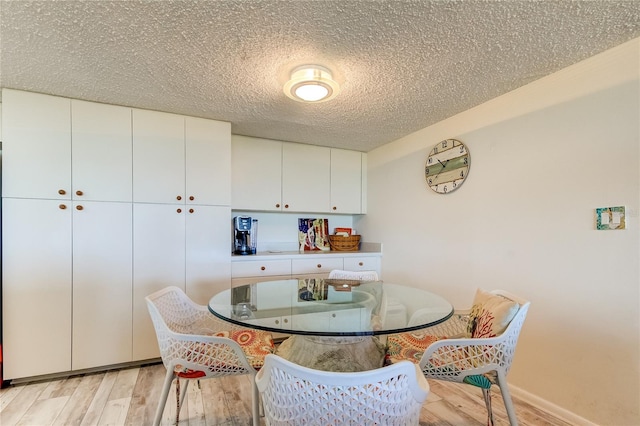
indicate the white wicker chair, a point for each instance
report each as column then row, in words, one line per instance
column 296, row 395
column 353, row 275
column 480, row 362
column 192, row 348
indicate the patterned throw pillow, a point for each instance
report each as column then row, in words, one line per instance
column 490, row 314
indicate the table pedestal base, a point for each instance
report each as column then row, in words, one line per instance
column 340, row 354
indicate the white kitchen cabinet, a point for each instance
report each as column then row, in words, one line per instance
column 158, row 262
column 36, row 145
column 338, row 320
column 36, row 286
column 345, row 319
column 70, row 288
column 208, row 162
column 207, row 253
column 246, row 270
column 158, row 157
column 174, row 245
column 346, row 181
column 305, row 178
column 261, row 268
column 280, row 322
column 180, row 160
column 319, row 267
column 102, row 284
column 364, row 263
column 256, row 174
column 67, row 284
column 101, row 152
column 58, row 148
column 269, row 175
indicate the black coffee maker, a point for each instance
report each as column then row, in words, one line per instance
column 244, row 235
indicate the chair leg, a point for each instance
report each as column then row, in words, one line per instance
column 163, row 397
column 486, row 393
column 183, row 394
column 177, row 401
column 255, row 402
column 506, row 397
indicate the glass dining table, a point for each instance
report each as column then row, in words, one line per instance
column 333, row 324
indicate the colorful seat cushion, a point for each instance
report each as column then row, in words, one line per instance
column 255, row 344
column 490, row 314
column 408, row 346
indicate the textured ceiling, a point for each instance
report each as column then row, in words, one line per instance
column 402, row 65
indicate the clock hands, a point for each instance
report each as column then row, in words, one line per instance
column 442, row 164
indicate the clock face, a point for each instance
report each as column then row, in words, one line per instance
column 447, row 166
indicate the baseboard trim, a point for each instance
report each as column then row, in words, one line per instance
column 82, row 372
column 549, row 407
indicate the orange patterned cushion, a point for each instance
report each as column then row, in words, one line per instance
column 255, row 344
column 408, row 346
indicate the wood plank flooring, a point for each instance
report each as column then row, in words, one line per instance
column 129, row 397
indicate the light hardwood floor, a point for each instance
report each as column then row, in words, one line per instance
column 129, row 397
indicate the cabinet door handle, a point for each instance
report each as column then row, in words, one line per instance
column 190, row 210
column 178, row 198
column 179, row 210
column 286, row 321
column 335, row 208
column 62, row 206
column 286, row 206
column 278, row 205
column 319, row 265
column 262, row 268
column 79, row 193
column 61, row 191
column 333, row 315
column 277, row 322
column 360, row 264
column 79, row 207
column 191, row 198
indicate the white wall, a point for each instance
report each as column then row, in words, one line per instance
column 542, row 159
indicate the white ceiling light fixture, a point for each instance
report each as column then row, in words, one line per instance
column 311, row 83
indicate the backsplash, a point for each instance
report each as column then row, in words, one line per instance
column 279, row 231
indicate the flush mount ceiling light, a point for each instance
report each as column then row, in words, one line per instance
column 311, row 83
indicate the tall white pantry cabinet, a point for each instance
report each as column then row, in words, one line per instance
column 82, row 188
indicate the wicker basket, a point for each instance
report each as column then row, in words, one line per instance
column 342, row 243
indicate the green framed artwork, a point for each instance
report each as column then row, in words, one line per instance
column 610, row 218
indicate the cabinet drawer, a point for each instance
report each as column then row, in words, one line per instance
column 315, row 266
column 260, row 268
column 362, row 264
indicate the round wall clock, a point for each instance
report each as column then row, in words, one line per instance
column 447, row 166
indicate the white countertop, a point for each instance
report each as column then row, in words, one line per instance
column 366, row 250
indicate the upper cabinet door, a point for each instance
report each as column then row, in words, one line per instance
column 101, row 151
column 158, row 157
column 305, row 178
column 36, row 145
column 208, row 161
column 346, row 181
column 256, row 178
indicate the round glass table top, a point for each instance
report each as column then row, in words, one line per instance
column 330, row 307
